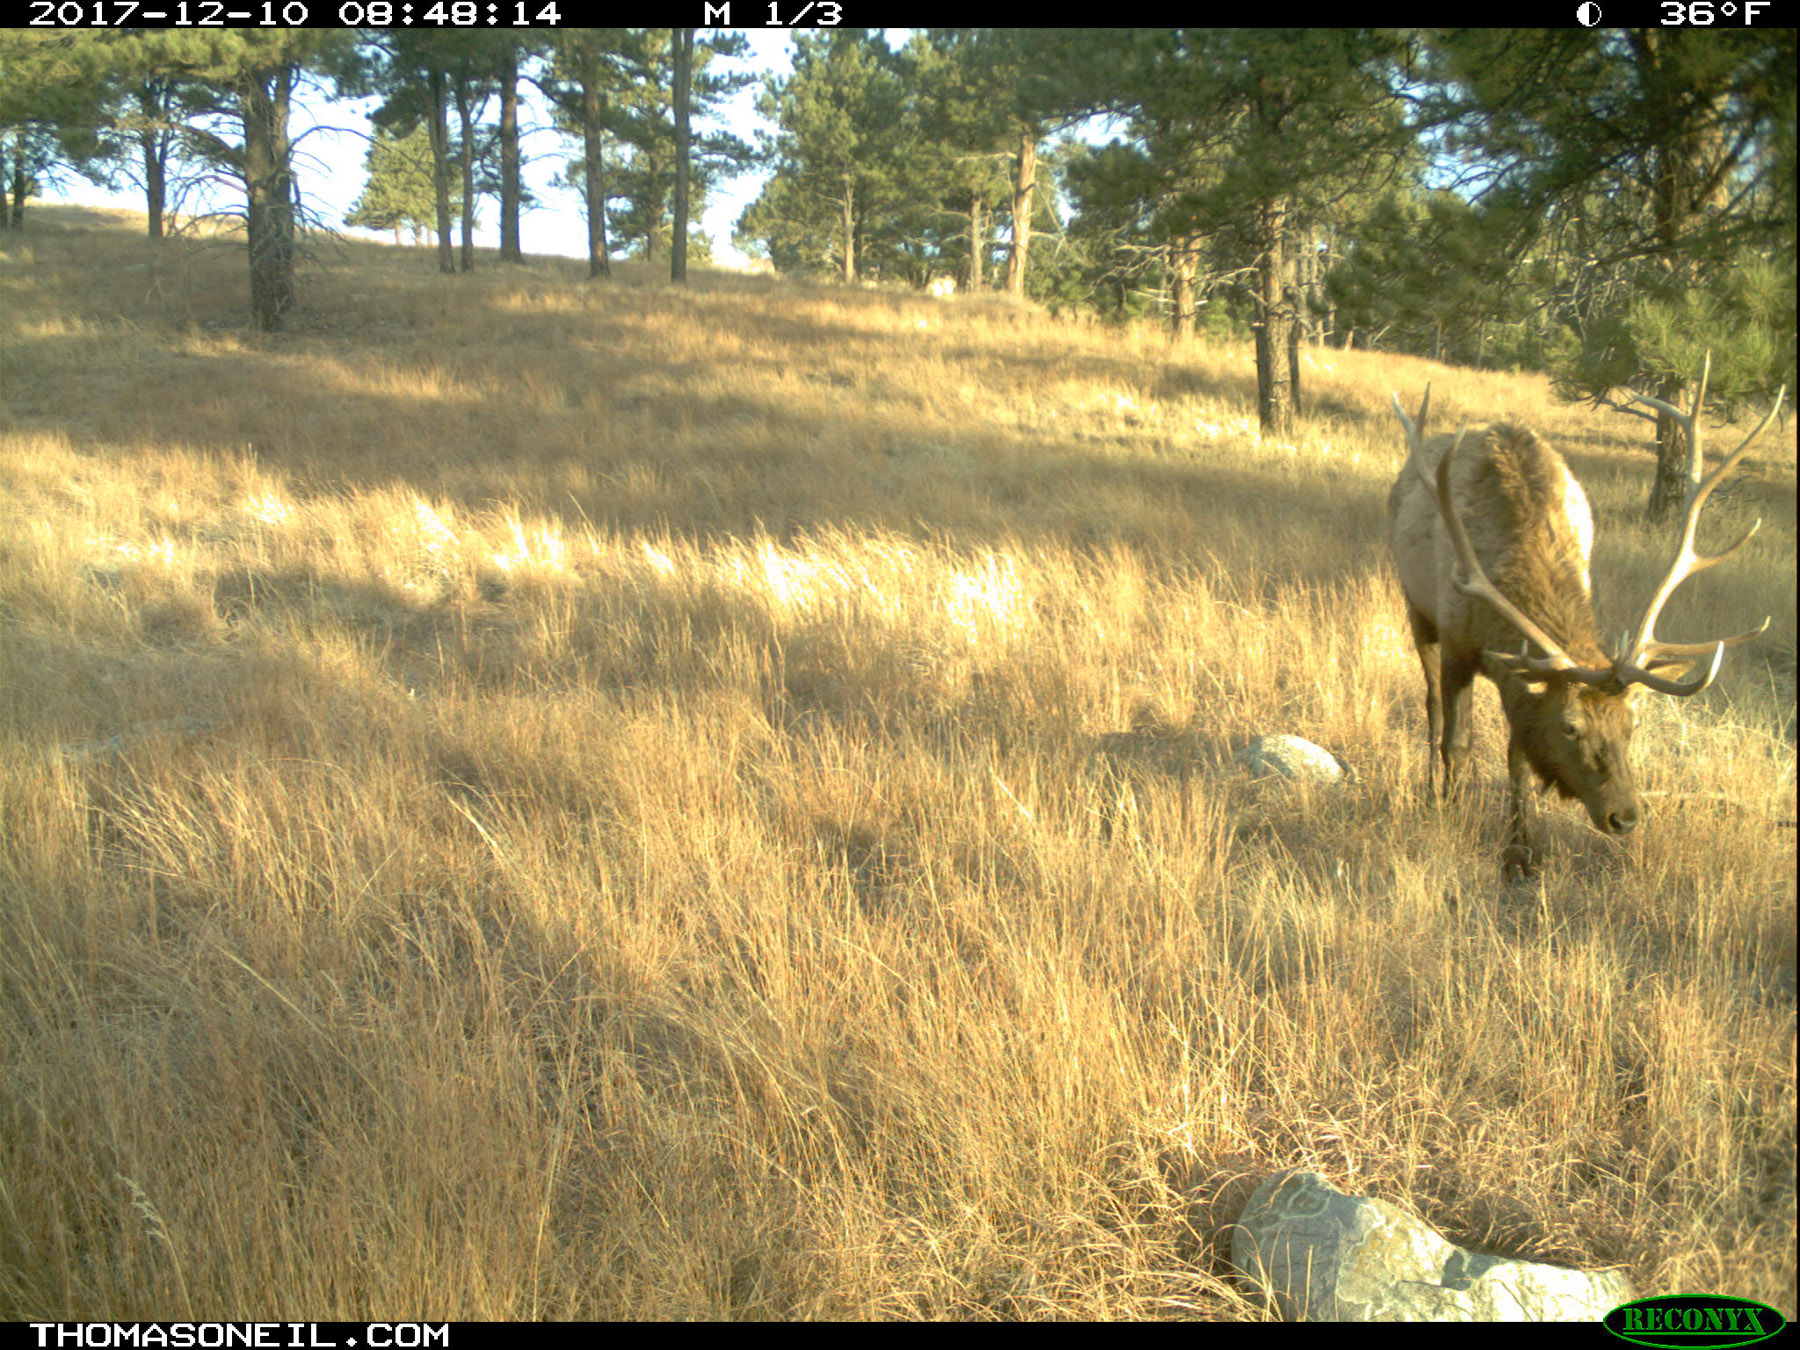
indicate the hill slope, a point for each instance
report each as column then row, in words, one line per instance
column 531, row 799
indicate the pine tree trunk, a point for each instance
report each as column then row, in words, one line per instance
column 1023, row 183
column 1182, row 262
column 978, row 226
column 1672, row 212
column 653, row 202
column 1296, row 328
column 1299, row 246
column 1274, row 389
column 19, row 181
column 1312, row 291
column 594, row 174
column 684, row 73
column 153, row 151
column 440, row 168
column 1668, row 490
column 466, row 122
column 849, row 227
column 269, row 194
column 509, row 159
column 156, row 189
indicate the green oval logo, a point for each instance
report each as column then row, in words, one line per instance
column 1684, row 1320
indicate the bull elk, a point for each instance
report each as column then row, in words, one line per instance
column 1491, row 535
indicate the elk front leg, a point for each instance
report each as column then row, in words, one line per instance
column 1425, row 642
column 1458, row 680
column 1519, row 860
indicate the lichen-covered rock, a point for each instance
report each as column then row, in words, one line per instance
column 1325, row 1256
column 1290, row 757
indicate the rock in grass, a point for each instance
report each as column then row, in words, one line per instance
column 1292, row 758
column 1325, row 1256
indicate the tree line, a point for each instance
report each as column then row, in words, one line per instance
column 170, row 110
column 1605, row 205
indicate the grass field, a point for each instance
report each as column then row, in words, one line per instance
column 530, row 799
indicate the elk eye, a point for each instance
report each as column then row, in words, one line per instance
column 1570, row 730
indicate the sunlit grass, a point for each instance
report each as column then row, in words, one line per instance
column 521, row 798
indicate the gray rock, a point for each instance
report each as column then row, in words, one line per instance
column 1325, row 1256
column 1290, row 757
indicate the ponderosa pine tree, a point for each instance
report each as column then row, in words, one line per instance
column 959, row 157
column 1287, row 122
column 590, row 68
column 513, row 50
column 838, row 119
column 1670, row 154
column 255, row 73
column 240, row 80
column 642, row 120
column 48, row 97
column 424, row 76
column 398, row 192
column 141, row 113
column 1427, row 271
column 1021, row 69
column 99, row 103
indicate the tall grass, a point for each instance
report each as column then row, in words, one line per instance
column 524, row 799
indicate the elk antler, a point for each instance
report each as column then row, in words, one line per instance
column 1631, row 665
column 1471, row 580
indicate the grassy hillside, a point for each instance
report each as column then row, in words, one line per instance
column 527, row 799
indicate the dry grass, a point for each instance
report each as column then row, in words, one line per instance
column 526, row 799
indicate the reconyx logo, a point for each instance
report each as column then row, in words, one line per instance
column 1686, row 1320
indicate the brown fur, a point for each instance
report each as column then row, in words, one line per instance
column 1531, row 531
